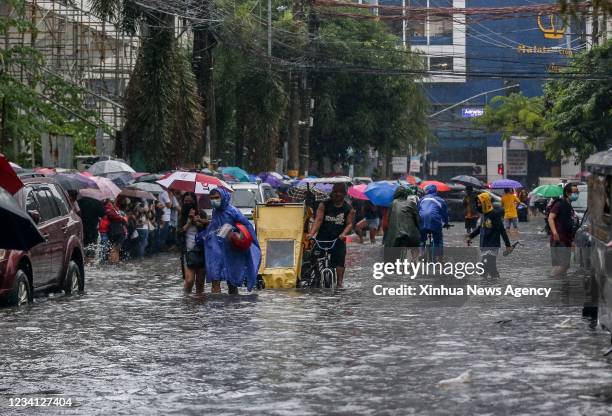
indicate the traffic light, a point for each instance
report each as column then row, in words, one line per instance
column 500, row 169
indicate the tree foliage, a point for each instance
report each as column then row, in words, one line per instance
column 515, row 115
column 579, row 113
column 366, row 110
column 163, row 108
column 33, row 100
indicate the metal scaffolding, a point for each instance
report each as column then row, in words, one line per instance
column 83, row 49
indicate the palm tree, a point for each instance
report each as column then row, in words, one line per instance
column 163, row 110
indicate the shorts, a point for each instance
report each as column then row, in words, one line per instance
column 511, row 222
column 560, row 254
column 337, row 254
column 373, row 223
column 470, row 223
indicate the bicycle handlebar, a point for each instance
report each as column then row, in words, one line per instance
column 318, row 243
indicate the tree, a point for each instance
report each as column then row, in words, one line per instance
column 34, row 101
column 163, row 108
column 515, row 115
column 359, row 109
column 579, row 113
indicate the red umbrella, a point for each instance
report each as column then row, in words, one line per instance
column 8, row 178
column 45, row 171
column 442, row 187
column 358, row 192
column 192, row 182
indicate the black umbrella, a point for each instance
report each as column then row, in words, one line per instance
column 468, row 180
column 18, row 230
column 74, row 181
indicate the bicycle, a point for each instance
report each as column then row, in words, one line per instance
column 322, row 274
column 429, row 254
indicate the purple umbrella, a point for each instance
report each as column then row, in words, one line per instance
column 505, row 183
column 323, row 187
column 272, row 180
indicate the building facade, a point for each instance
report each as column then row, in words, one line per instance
column 475, row 57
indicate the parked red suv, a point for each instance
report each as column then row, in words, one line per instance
column 56, row 263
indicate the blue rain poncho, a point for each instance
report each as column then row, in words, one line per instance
column 433, row 211
column 222, row 261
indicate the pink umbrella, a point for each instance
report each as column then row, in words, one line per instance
column 358, row 192
column 192, row 182
column 106, row 187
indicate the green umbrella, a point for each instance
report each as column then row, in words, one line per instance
column 549, row 191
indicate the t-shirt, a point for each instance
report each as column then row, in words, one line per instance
column 334, row 221
column 564, row 220
column 164, row 198
column 509, row 202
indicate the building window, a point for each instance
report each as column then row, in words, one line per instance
column 444, row 63
column 441, row 27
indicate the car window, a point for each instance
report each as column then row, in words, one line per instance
column 31, row 202
column 60, row 200
column 48, row 209
column 244, row 198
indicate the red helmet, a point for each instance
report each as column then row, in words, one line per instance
column 241, row 240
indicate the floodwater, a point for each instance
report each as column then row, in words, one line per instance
column 135, row 344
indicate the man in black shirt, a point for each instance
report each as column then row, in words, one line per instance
column 334, row 220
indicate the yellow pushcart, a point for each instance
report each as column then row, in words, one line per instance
column 281, row 233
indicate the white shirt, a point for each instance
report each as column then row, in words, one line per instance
column 164, row 198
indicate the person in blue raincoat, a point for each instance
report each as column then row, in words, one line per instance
column 433, row 212
column 223, row 261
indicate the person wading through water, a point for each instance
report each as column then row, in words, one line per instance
column 334, row 220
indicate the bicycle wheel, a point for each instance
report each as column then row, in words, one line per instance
column 327, row 278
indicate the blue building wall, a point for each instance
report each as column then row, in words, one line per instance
column 492, row 52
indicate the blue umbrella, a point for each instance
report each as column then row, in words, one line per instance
column 238, row 173
column 505, row 183
column 381, row 193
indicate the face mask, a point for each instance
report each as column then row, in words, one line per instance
column 215, row 203
column 574, row 197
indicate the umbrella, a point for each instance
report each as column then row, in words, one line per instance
column 272, row 180
column 121, row 179
column 358, row 192
column 332, row 180
column 441, row 186
column 148, row 187
column 468, row 180
column 8, row 177
column 300, row 193
column 192, row 182
column 108, row 166
column 15, row 166
column 505, row 183
column 137, row 193
column 413, row 180
column 238, row 173
column 45, row 171
column 18, row 230
column 74, row 181
column 152, row 177
column 381, row 193
column 549, row 191
column 107, row 189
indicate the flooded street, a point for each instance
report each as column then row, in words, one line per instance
column 135, row 344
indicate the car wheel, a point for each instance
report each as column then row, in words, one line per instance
column 22, row 292
column 74, row 281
